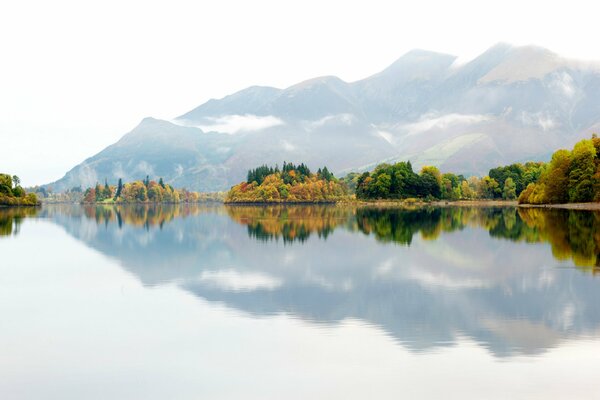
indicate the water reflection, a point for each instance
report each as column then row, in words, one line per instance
column 573, row 234
column 12, row 218
column 427, row 277
column 289, row 223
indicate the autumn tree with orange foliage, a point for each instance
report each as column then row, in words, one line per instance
column 293, row 184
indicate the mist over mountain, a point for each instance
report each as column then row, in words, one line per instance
column 508, row 104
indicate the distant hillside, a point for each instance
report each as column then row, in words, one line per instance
column 509, row 104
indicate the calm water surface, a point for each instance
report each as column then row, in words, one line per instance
column 214, row 302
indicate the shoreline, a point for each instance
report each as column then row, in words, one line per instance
column 386, row 203
column 593, row 206
column 566, row 206
column 3, row 206
column 436, row 203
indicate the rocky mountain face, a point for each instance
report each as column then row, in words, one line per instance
column 509, row 104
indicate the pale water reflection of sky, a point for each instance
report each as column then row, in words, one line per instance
column 79, row 322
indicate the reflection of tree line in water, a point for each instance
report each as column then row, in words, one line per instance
column 295, row 223
column 12, row 217
column 572, row 234
column 142, row 215
column 387, row 225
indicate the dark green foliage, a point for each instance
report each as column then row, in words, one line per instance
column 98, row 192
column 325, row 174
column 5, row 190
column 290, row 173
column 429, row 185
column 301, row 169
column 106, row 193
column 450, row 187
column 259, row 174
column 119, row 189
column 161, row 182
column 15, row 196
column 397, row 225
column 521, row 174
column 397, row 181
column 6, row 184
column 18, row 192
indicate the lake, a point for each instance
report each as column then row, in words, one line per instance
column 299, row 302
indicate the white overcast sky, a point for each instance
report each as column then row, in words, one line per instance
column 75, row 75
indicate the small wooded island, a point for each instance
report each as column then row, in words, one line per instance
column 15, row 195
column 146, row 191
column 291, row 184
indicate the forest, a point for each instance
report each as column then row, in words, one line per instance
column 399, row 181
column 292, row 184
column 12, row 194
column 570, row 176
column 145, row 191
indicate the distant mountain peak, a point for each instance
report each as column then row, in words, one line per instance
column 521, row 63
column 415, row 64
column 326, row 80
column 511, row 103
column 422, row 53
column 150, row 120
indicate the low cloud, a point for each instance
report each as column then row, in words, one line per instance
column 563, row 82
column 179, row 170
column 287, row 146
column 338, row 119
column 119, row 172
column 232, row 124
column 388, row 137
column 429, row 122
column 145, row 168
column 543, row 120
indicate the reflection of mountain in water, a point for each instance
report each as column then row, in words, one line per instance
column 447, row 278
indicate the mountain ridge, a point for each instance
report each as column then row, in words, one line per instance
column 509, row 103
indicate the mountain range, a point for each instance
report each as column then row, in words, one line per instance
column 509, row 104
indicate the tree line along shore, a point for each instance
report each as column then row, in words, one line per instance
column 144, row 191
column 572, row 176
column 12, row 194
